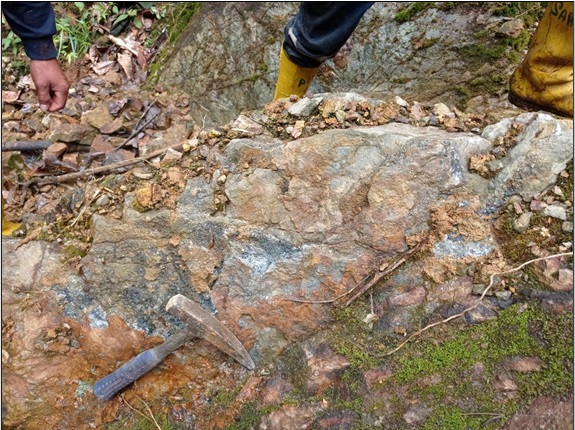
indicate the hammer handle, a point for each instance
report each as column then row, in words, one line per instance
column 107, row 387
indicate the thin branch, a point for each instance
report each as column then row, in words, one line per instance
column 149, row 411
column 139, row 412
column 477, row 303
column 97, row 170
column 139, row 127
column 363, row 285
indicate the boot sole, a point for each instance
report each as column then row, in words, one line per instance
column 533, row 107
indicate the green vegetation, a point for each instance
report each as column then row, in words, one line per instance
column 411, row 11
column 176, row 19
column 362, row 352
column 141, row 422
column 515, row 332
column 10, row 42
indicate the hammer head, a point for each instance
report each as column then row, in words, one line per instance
column 201, row 323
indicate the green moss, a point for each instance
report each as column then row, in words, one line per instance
column 400, row 80
column 250, row 416
column 515, row 332
column 352, row 337
column 451, row 417
column 411, row 11
column 483, row 52
column 138, row 422
column 529, row 12
column 427, row 43
column 176, row 21
column 71, row 251
column 293, row 366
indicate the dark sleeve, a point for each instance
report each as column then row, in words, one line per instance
column 35, row 23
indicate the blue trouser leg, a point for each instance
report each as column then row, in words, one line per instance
column 320, row 29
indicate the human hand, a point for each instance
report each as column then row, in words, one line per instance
column 51, row 84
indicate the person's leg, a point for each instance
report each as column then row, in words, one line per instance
column 314, row 35
column 544, row 80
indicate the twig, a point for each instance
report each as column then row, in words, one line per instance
column 389, row 267
column 36, row 145
column 139, row 412
column 139, row 127
column 97, row 170
column 96, row 194
column 149, row 411
column 477, row 303
column 25, row 145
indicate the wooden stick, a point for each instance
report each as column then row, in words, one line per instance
column 139, row 127
column 364, row 285
column 391, row 266
column 25, row 145
column 36, row 145
column 97, row 170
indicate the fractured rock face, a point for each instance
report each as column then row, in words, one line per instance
column 307, row 219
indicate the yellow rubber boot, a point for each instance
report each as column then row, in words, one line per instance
column 8, row 227
column 293, row 79
column 544, row 80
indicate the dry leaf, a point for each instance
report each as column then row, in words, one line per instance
column 103, row 67
column 125, row 61
column 94, row 54
column 129, row 45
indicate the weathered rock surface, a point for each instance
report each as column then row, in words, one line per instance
column 305, row 219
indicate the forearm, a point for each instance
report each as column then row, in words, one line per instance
column 35, row 24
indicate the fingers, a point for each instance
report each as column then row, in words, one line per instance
column 51, row 84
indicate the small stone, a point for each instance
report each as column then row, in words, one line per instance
column 555, row 211
column 112, row 126
column 433, row 121
column 537, row 205
column 80, row 133
column 504, row 383
column 557, row 191
column 13, row 126
column 567, row 226
column 416, row 414
column 401, row 119
column 401, row 102
column 222, row 179
column 479, row 314
column 304, row 107
column 418, row 111
column 521, row 224
column 57, row 149
column 495, row 165
column 412, row 297
column 440, row 109
column 97, row 117
column 103, row 200
column 524, row 364
column 172, row 155
column 564, row 281
column 245, row 124
column 503, row 295
column 510, row 28
column 478, row 290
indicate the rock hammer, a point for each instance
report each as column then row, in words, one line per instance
column 199, row 324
